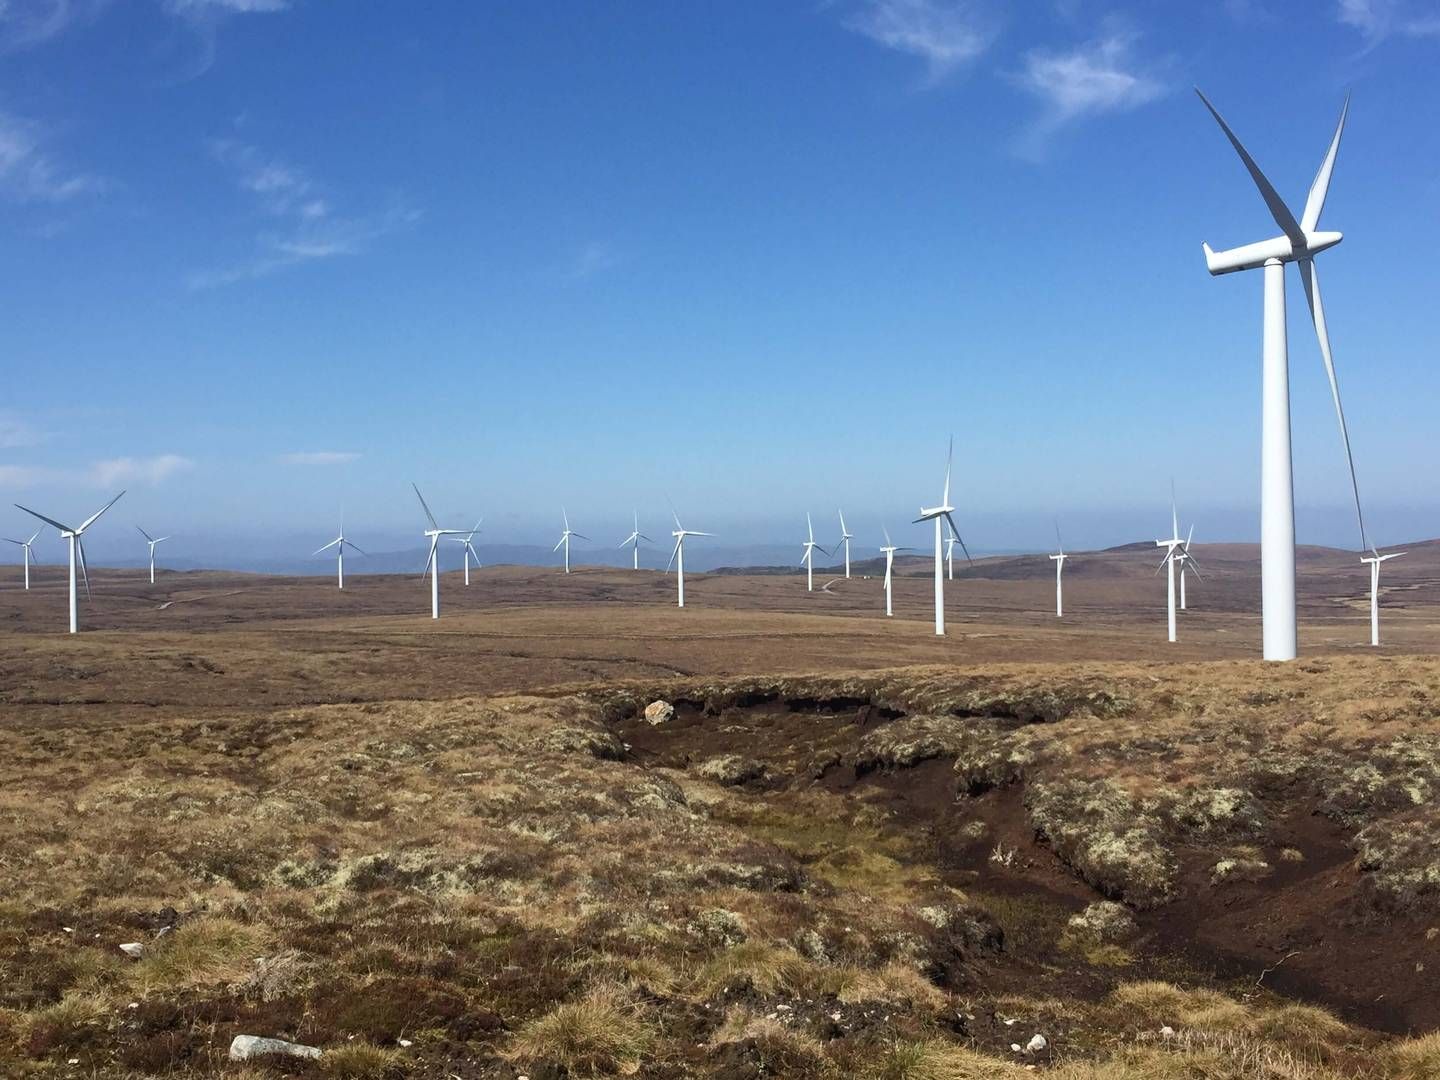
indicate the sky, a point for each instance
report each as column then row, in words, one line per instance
column 267, row 262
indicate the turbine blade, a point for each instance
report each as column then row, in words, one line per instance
column 424, row 506
column 21, row 543
column 432, row 558
column 327, row 547
column 1194, row 568
column 887, row 536
column 1188, row 538
column 161, row 540
column 42, row 517
column 1278, row 210
column 1315, row 201
column 96, row 516
column 84, row 573
column 1311, row 281
column 579, row 536
column 673, row 553
column 956, row 531
column 558, row 544
column 143, row 533
column 646, row 539
column 1163, row 561
column 949, row 460
column 1058, row 542
column 35, row 536
column 356, row 547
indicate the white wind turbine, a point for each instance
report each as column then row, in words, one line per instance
column 1171, row 544
column 1299, row 243
column 340, row 543
column 951, row 539
column 26, row 553
column 845, row 537
column 466, row 543
column 1187, row 565
column 808, row 559
column 1375, row 559
column 1059, row 560
column 432, row 564
column 77, row 550
column 634, row 540
column 152, row 541
column 565, row 538
column 936, row 514
column 677, row 557
column 890, row 549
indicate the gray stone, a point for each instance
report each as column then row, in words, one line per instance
column 244, row 1047
column 657, row 712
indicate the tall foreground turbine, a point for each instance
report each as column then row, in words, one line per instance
column 77, row 548
column 1299, row 243
column 26, row 553
column 1375, row 559
column 1059, row 560
column 565, row 538
column 634, row 540
column 808, row 559
column 432, row 564
column 340, row 544
column 890, row 549
column 677, row 557
column 152, row 541
column 845, row 537
column 936, row 514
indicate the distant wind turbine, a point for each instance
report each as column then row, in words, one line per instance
column 951, row 539
column 26, row 553
column 432, row 564
column 77, row 550
column 936, row 514
column 1375, row 559
column 1171, row 544
column 808, row 559
column 1059, row 560
column 845, row 537
column 890, row 549
column 340, row 543
column 634, row 539
column 565, row 538
column 1187, row 565
column 152, row 541
column 677, row 557
column 469, row 548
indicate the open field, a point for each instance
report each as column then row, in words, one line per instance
column 458, row 849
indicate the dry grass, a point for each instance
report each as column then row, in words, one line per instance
column 603, row 1032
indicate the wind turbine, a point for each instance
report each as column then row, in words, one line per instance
column 1187, row 564
column 77, row 549
column 340, row 544
column 1375, row 559
column 677, row 557
column 845, row 537
column 565, row 538
column 1299, row 243
column 1059, row 560
column 469, row 548
column 1170, row 544
column 152, row 541
column 432, row 564
column 890, row 549
column 808, row 559
column 936, row 514
column 634, row 539
column 26, row 553
column 951, row 539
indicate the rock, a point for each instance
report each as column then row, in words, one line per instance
column 1036, row 1044
column 658, row 712
column 244, row 1047
column 133, row 948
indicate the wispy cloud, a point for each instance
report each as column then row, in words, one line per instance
column 320, row 457
column 592, row 259
column 1376, row 20
column 29, row 174
column 303, row 226
column 946, row 34
column 151, row 471
column 16, row 431
column 1101, row 76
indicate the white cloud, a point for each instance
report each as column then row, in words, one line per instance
column 590, row 260
column 25, row 475
column 128, row 470
column 944, row 33
column 16, row 431
column 225, row 7
column 29, row 174
column 320, row 457
column 1101, row 76
column 1377, row 20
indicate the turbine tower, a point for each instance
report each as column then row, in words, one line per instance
column 845, row 537
column 1059, row 560
column 890, row 549
column 469, row 548
column 937, row 514
column 808, row 559
column 340, row 544
column 677, row 557
column 565, row 538
column 634, row 540
column 1171, row 544
column 1299, row 242
column 26, row 553
column 77, row 550
column 1375, row 559
column 432, row 564
column 152, row 541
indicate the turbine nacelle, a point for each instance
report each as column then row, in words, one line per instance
column 1254, row 256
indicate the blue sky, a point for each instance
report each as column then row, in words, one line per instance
column 265, row 258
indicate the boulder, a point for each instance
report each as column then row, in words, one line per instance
column 244, row 1047
column 658, row 712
